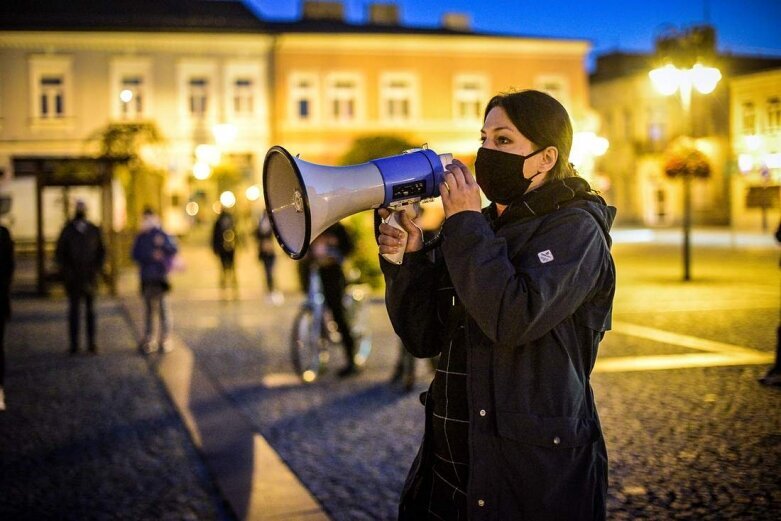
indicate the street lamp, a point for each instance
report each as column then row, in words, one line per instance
column 667, row 80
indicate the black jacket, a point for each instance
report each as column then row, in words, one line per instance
column 7, row 266
column 80, row 254
column 535, row 298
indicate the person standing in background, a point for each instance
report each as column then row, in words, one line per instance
column 80, row 255
column 224, row 241
column 7, row 266
column 267, row 256
column 154, row 251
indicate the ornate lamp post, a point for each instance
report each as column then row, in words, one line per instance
column 669, row 79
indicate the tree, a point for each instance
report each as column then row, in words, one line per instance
column 142, row 183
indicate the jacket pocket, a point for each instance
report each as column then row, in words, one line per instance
column 555, row 432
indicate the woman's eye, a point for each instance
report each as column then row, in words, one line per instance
column 482, row 139
column 503, row 140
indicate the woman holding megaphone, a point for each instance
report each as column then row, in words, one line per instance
column 516, row 305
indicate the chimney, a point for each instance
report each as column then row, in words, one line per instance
column 457, row 22
column 318, row 10
column 383, row 14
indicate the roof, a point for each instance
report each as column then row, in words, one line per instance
column 230, row 16
column 124, row 15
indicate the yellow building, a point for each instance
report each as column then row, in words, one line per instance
column 755, row 109
column 223, row 85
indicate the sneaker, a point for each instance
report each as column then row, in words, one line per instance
column 276, row 298
column 166, row 346
column 146, row 347
column 2, row 399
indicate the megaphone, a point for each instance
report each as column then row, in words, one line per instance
column 303, row 199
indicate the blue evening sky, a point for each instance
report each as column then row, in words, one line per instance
column 743, row 26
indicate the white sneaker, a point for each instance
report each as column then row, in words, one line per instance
column 2, row 399
column 166, row 346
column 277, row 298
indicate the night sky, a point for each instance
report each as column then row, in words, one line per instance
column 743, row 26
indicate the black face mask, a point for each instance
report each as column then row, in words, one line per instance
column 500, row 174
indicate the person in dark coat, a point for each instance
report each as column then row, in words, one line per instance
column 267, row 256
column 154, row 250
column 224, row 242
column 7, row 265
column 329, row 251
column 516, row 309
column 80, row 255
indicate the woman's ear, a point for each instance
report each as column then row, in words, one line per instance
column 548, row 159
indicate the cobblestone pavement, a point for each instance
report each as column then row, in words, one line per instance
column 698, row 442
column 92, row 437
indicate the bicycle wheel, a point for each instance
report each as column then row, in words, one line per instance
column 306, row 345
column 357, row 309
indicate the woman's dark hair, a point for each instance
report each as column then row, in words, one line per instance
column 542, row 119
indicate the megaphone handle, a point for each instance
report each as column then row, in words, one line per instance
column 394, row 220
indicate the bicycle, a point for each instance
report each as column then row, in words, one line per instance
column 314, row 330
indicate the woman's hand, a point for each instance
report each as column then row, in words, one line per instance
column 391, row 238
column 459, row 190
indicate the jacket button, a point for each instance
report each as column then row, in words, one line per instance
column 480, row 503
column 482, row 412
column 556, row 440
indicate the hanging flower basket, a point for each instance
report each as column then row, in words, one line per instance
column 691, row 162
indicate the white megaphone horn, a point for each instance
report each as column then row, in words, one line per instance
column 303, row 199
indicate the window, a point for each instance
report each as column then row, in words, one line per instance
column 656, row 124
column 243, row 98
column 303, row 97
column 342, row 98
column 749, row 118
column 198, row 91
column 469, row 96
column 199, row 96
column 554, row 85
column 50, row 86
column 52, row 97
column 397, row 97
column 241, row 84
column 131, row 97
column 130, row 87
column 773, row 115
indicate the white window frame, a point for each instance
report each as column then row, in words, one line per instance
column 561, row 91
column 399, row 88
column 122, row 68
column 249, row 95
column 309, row 93
column 463, row 97
column 337, row 93
column 189, row 70
column 58, row 66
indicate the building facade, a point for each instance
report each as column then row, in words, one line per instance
column 222, row 85
column 755, row 108
column 643, row 126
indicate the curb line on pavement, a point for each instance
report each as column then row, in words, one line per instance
column 251, row 476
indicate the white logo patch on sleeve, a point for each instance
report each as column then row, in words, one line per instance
column 545, row 256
